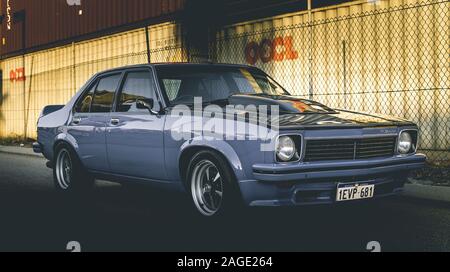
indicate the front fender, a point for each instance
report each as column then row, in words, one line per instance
column 220, row 146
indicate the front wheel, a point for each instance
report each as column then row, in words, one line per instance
column 69, row 174
column 212, row 185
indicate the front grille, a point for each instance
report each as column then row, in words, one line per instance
column 349, row 149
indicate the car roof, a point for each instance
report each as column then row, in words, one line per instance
column 174, row 64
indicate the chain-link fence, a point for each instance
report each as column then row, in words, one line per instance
column 370, row 57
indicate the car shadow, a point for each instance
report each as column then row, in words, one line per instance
column 141, row 218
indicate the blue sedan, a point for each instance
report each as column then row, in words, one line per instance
column 228, row 135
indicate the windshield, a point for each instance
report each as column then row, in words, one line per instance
column 213, row 83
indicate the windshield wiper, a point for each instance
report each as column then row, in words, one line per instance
column 221, row 101
column 217, row 101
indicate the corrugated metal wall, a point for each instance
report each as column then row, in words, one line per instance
column 49, row 21
column 53, row 76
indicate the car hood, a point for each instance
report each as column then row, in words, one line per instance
column 341, row 119
column 307, row 114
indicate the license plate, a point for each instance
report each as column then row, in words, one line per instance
column 347, row 192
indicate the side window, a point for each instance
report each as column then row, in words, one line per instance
column 104, row 94
column 84, row 104
column 137, row 86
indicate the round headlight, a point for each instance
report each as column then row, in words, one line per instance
column 285, row 148
column 404, row 143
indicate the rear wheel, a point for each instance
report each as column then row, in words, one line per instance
column 69, row 174
column 212, row 185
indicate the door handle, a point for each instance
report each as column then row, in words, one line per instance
column 115, row 121
column 76, row 120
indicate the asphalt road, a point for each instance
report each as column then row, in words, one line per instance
column 34, row 218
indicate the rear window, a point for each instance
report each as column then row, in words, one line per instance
column 104, row 93
column 84, row 105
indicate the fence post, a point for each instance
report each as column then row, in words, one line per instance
column 74, row 68
column 147, row 40
column 310, row 27
column 344, row 56
column 27, row 112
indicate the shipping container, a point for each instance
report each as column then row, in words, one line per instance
column 43, row 22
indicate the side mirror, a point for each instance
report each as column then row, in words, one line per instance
column 146, row 104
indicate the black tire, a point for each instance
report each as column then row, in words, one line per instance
column 76, row 179
column 231, row 200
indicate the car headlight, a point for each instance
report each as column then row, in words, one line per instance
column 285, row 148
column 405, row 143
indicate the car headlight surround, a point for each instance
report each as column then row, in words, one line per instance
column 407, row 142
column 287, row 148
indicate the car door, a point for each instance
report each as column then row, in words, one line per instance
column 135, row 134
column 88, row 124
